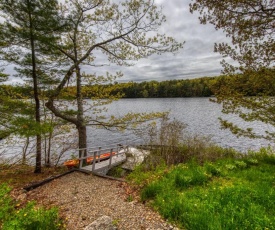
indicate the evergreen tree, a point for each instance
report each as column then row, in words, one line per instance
column 28, row 28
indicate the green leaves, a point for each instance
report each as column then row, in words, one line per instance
column 250, row 25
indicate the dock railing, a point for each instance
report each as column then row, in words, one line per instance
column 96, row 155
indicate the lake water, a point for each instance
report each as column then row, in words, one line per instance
column 199, row 114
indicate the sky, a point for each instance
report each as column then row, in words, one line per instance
column 196, row 59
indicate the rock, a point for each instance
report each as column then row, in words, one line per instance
column 22, row 197
column 134, row 157
column 102, row 223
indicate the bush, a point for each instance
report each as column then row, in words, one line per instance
column 266, row 155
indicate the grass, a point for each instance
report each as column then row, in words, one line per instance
column 229, row 193
column 25, row 216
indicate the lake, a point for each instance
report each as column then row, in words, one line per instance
column 199, row 114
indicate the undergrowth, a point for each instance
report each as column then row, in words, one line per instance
column 28, row 217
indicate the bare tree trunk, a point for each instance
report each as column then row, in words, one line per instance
column 48, row 151
column 25, row 148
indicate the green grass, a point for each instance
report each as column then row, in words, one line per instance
column 231, row 193
column 27, row 217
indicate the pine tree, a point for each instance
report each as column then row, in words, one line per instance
column 28, row 28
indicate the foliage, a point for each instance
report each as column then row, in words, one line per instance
column 5, row 203
column 233, row 94
column 199, row 87
column 250, row 25
column 154, row 89
column 28, row 217
column 231, row 193
column 27, row 27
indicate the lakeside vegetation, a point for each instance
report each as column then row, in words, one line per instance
column 227, row 191
column 198, row 185
column 211, row 188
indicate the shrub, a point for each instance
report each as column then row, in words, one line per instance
column 266, row 155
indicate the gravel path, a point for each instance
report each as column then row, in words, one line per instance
column 82, row 199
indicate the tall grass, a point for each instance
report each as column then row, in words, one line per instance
column 228, row 193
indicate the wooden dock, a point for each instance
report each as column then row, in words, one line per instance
column 117, row 155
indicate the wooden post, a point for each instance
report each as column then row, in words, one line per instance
column 94, row 161
column 81, row 160
column 111, row 156
column 99, row 153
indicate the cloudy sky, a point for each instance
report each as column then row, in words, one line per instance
column 196, row 59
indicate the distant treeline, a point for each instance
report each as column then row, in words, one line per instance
column 154, row 89
column 199, row 87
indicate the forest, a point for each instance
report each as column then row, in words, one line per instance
column 198, row 87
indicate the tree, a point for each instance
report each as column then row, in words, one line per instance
column 250, row 25
column 124, row 33
column 29, row 25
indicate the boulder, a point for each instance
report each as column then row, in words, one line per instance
column 134, row 158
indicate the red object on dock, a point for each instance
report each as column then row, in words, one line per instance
column 103, row 156
column 71, row 163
